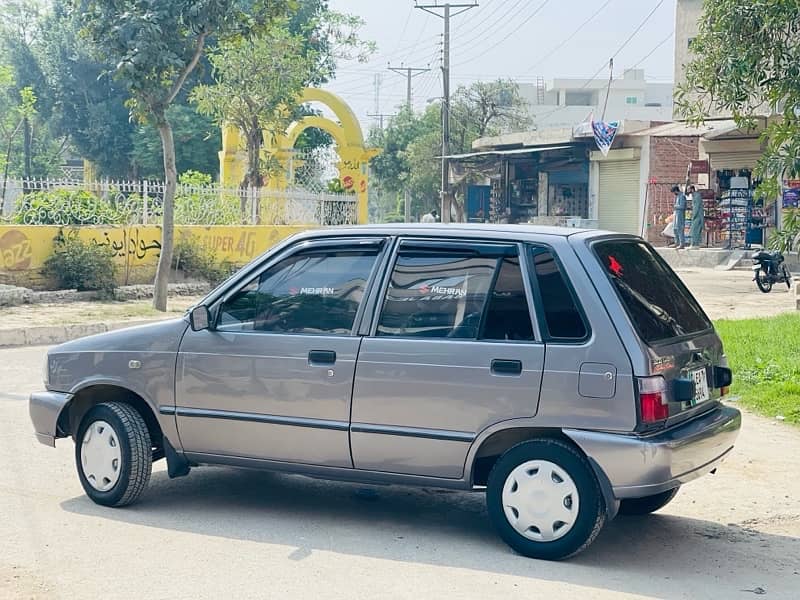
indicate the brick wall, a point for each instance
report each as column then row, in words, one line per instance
column 669, row 158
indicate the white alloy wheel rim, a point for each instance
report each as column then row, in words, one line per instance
column 101, row 456
column 540, row 501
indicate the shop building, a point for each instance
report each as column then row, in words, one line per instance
column 526, row 178
column 558, row 177
column 719, row 159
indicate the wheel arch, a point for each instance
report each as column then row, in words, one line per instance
column 95, row 393
column 488, row 448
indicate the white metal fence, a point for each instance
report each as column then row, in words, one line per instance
column 69, row 202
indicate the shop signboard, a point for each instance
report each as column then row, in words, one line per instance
column 791, row 193
column 698, row 167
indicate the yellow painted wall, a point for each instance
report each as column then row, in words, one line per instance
column 24, row 248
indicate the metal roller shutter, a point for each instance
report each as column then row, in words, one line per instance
column 618, row 200
column 732, row 161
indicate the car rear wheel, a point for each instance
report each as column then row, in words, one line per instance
column 113, row 453
column 648, row 504
column 763, row 282
column 544, row 499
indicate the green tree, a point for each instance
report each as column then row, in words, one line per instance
column 36, row 150
column 156, row 46
column 197, row 141
column 258, row 99
column 16, row 109
column 89, row 105
column 255, row 80
column 486, row 108
column 746, row 61
column 412, row 141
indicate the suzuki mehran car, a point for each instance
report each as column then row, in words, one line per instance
column 568, row 373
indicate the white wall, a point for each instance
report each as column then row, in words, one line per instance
column 631, row 85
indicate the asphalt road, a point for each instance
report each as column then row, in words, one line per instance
column 222, row 533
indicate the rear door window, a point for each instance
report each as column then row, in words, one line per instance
column 656, row 300
column 436, row 294
column 562, row 317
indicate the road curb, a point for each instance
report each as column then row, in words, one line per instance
column 58, row 334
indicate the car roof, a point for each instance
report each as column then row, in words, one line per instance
column 479, row 230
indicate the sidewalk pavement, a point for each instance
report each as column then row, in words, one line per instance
column 47, row 324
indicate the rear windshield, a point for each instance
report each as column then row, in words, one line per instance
column 657, row 302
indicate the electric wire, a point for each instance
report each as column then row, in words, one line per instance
column 505, row 37
column 569, row 38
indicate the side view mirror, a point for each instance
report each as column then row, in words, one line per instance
column 200, row 318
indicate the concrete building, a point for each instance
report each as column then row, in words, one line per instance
column 565, row 102
column 687, row 24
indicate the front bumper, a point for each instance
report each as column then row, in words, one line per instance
column 45, row 408
column 638, row 466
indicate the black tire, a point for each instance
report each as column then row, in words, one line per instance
column 787, row 276
column 648, row 504
column 591, row 513
column 136, row 458
column 763, row 282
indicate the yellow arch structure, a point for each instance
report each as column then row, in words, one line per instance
column 354, row 157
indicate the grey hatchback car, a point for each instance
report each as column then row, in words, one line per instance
column 568, row 373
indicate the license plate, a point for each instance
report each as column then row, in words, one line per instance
column 700, row 379
column 756, row 267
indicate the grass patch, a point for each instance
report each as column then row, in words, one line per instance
column 765, row 357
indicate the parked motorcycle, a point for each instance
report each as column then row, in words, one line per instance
column 769, row 270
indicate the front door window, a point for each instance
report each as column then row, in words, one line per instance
column 314, row 292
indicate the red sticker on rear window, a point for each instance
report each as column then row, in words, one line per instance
column 614, row 266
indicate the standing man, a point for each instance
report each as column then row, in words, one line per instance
column 698, row 218
column 680, row 218
column 430, row 217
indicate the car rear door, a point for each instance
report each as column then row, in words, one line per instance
column 453, row 348
column 273, row 378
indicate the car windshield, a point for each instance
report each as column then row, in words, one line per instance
column 656, row 300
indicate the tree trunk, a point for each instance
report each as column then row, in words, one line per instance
column 253, row 177
column 168, row 225
column 27, row 143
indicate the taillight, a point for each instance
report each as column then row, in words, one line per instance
column 653, row 399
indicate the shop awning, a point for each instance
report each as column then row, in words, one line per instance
column 709, row 130
column 516, row 151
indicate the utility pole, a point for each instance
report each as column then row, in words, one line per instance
column 409, row 73
column 446, row 15
column 377, row 83
column 381, row 116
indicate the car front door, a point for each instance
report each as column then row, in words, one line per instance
column 452, row 350
column 272, row 379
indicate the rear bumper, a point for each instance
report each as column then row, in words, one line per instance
column 638, row 466
column 45, row 408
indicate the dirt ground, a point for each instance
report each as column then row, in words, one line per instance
column 68, row 313
column 734, row 295
column 224, row 533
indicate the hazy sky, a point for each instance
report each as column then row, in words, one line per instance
column 501, row 38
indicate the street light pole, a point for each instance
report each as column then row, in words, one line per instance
column 446, row 15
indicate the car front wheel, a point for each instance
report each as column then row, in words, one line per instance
column 113, row 453
column 544, row 499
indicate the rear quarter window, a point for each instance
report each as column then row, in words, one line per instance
column 656, row 300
